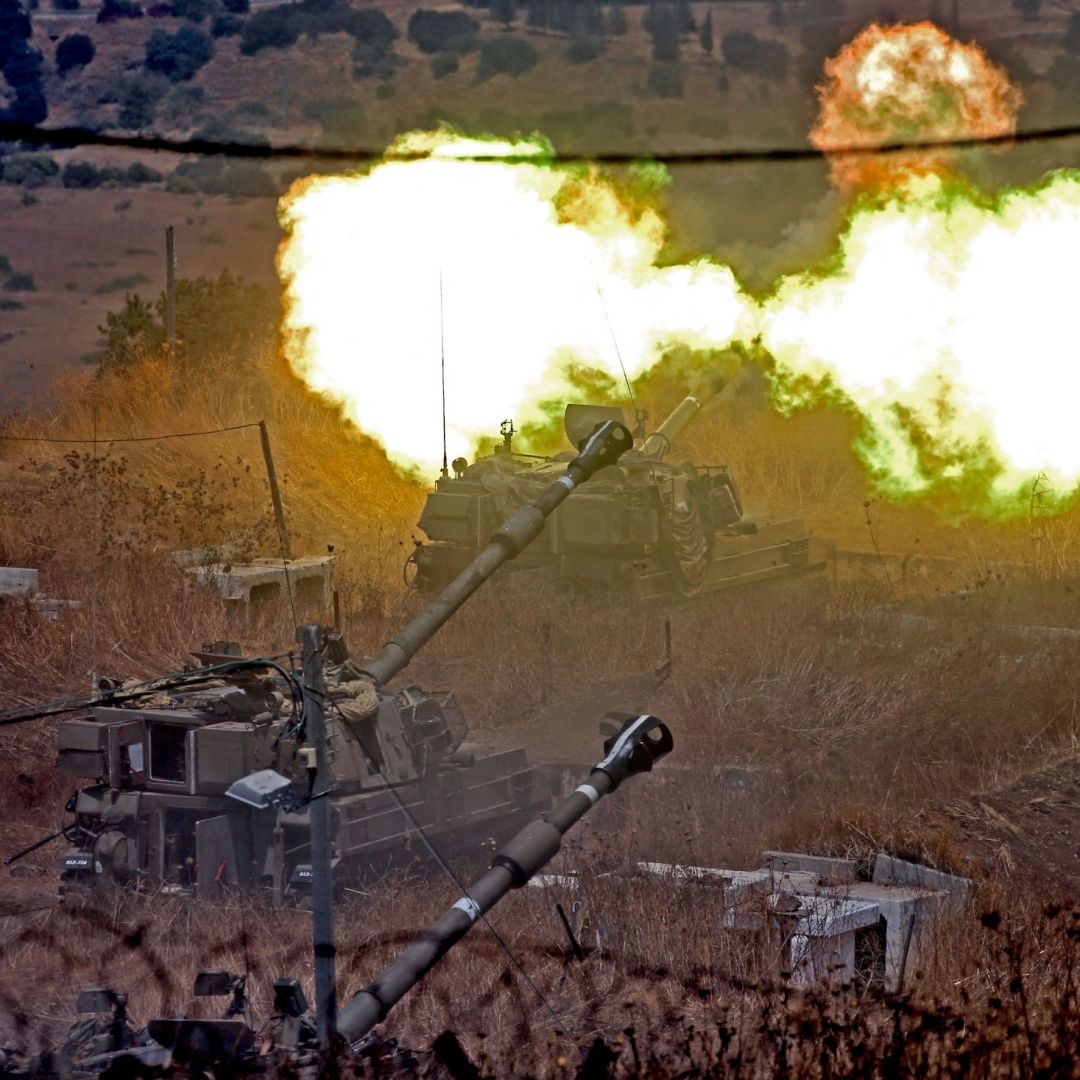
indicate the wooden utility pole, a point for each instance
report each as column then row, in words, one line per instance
column 170, row 291
column 275, row 492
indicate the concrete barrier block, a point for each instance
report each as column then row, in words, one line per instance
column 889, row 870
column 822, row 865
column 18, row 582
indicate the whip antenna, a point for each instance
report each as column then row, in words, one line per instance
column 442, row 364
column 638, row 418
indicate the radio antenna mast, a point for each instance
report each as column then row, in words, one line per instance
column 639, row 417
column 442, row 363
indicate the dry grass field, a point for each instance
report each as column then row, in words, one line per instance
column 877, row 714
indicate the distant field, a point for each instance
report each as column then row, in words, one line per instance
column 82, row 246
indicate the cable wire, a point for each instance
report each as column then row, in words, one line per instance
column 69, row 137
column 158, row 683
column 126, row 438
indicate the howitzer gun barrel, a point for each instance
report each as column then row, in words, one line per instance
column 659, row 442
column 602, row 447
column 642, row 741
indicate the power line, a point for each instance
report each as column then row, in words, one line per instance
column 126, row 438
column 70, row 137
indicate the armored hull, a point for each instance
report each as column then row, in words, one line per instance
column 158, row 814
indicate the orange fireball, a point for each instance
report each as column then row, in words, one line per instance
column 908, row 83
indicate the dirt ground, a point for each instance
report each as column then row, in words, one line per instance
column 1028, row 830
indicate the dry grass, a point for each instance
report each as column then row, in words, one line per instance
column 847, row 720
column 663, row 985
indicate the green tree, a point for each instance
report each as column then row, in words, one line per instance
column 178, row 56
column 443, row 64
column 1072, row 33
column 138, row 102
column 226, row 25
column 193, row 10
column 706, row 35
column 80, row 174
column 746, row 52
column 504, row 11
column 662, row 23
column 21, row 67
column 441, row 31
column 505, row 56
column 538, row 14
column 685, row 15
column 74, row 51
column 138, row 173
column 617, row 19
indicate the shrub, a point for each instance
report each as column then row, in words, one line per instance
column 29, row 170
column 212, row 315
column 249, row 180
column 80, row 174
column 583, row 50
column 74, row 51
column 178, row 56
column 662, row 23
column 113, row 176
column 505, row 56
column 344, row 116
column 1072, row 33
column 66, row 5
column 443, row 64
column 273, row 28
column 212, row 176
column 138, row 173
column 226, row 25
column 20, row 281
column 441, row 31
column 193, row 10
column 237, row 7
column 384, row 91
column 745, row 51
column 5, row 266
column 180, row 185
column 138, row 101
column 112, row 10
column 666, row 80
column 10, row 305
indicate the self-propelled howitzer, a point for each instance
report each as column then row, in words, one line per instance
column 653, row 528
column 163, row 757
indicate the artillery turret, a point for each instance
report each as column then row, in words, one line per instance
column 650, row 527
column 163, row 754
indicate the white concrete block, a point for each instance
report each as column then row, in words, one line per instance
column 889, row 870
column 18, row 582
column 309, row 576
column 824, row 865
